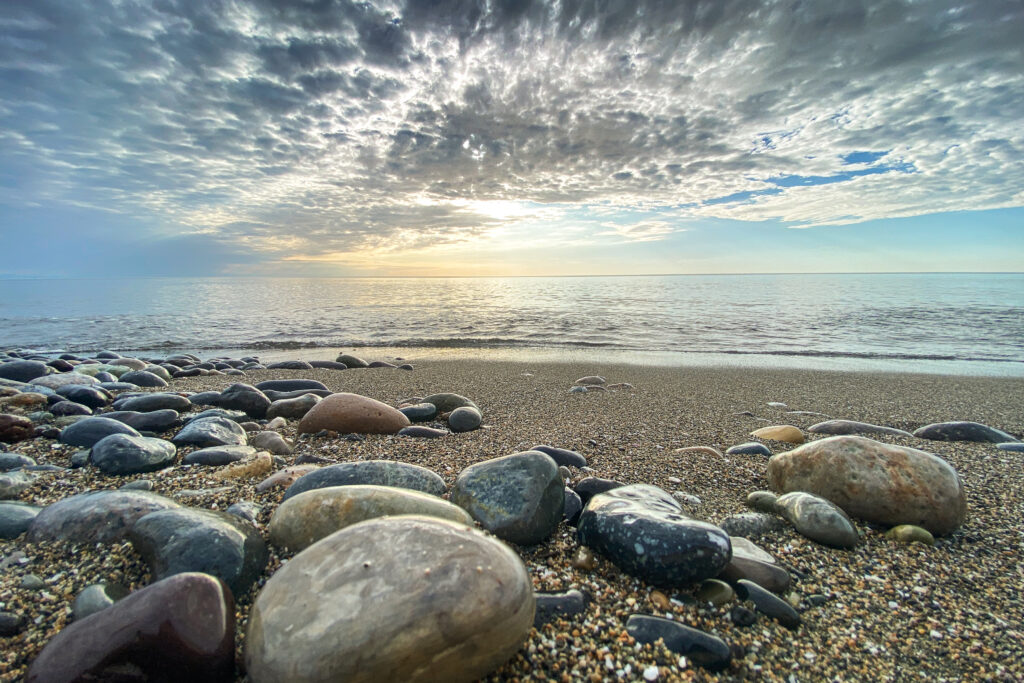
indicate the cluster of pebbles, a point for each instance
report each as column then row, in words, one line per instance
column 643, row 545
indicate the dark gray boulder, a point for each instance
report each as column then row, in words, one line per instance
column 86, row 432
column 211, row 431
column 120, row 454
column 373, row 472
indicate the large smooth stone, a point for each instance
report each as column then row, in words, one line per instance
column 93, row 396
column 519, row 498
column 562, row 456
column 818, row 519
column 372, row 472
column 156, row 421
column 62, row 378
column 787, row 433
column 122, row 454
column 328, row 364
column 292, row 408
column 23, row 370
column 178, row 629
column 65, row 408
column 407, row 598
column 447, row 402
column 421, row 412
column 95, row 517
column 350, row 361
column 15, row 518
column 842, row 427
column 753, row 563
column 211, row 431
column 290, row 384
column 464, row 419
column 144, row 378
column 876, row 482
column 15, row 428
column 289, row 365
column 304, row 519
column 183, row 540
column 151, row 402
column 352, row 413
column 215, row 456
column 963, row 431
column 246, row 398
column 645, row 532
column 703, row 649
column 13, row 461
column 768, row 604
column 86, row 433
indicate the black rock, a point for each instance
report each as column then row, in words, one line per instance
column 91, row 396
column 144, row 378
column 563, row 456
column 373, row 472
column 749, row 448
column 741, row 616
column 151, row 402
column 218, row 455
column 211, row 431
column 553, row 605
column 573, row 507
column 350, row 361
column 380, row 364
column 233, row 415
column 703, row 649
column 65, row 408
column 246, row 398
column 963, row 431
column 328, row 365
column 156, row 421
column 205, row 398
column 768, row 603
column 589, row 487
column 419, row 431
column 644, row 531
column 290, row 384
column 421, row 412
column 10, row 624
column 287, row 395
column 1015, row 446
column 86, row 432
column 191, row 372
column 23, row 370
column 464, row 419
column 120, row 454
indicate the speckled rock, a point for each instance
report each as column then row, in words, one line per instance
column 703, row 649
column 751, row 524
column 876, row 482
column 86, row 433
column 95, row 517
column 787, row 433
column 646, row 533
column 519, row 498
column 841, row 427
column 179, row 629
column 371, row 472
column 352, row 413
column 211, row 431
column 120, row 454
column 962, row 431
column 366, row 604
column 304, row 519
column 818, row 519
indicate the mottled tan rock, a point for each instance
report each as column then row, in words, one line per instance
column 304, row 519
column 257, row 466
column 876, row 482
column 392, row 599
column 787, row 433
column 27, row 399
column 285, row 477
column 352, row 414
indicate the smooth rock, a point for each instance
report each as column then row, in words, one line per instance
column 749, row 448
column 11, row 624
column 292, row 408
column 787, row 433
column 352, row 413
column 572, row 507
column 120, row 454
column 64, row 408
column 591, row 380
column 963, row 431
column 421, row 432
column 14, row 461
column 752, row 563
column 95, row 598
column 763, row 501
column 23, row 370
column 447, row 402
column 645, row 532
column 62, row 378
column 908, row 533
column 751, row 524
column 152, row 402
column 464, row 419
column 95, row 517
column 272, row 442
column 157, row 421
column 233, row 415
column 551, row 606
column 392, row 599
column 562, row 456
column 15, row 518
column 818, row 519
column 420, row 412
column 15, row 428
column 246, row 398
column 519, row 498
column 93, row 396
column 287, row 395
column 144, row 378
column 289, row 365
column 350, row 361
column 130, row 363
column 380, row 364
column 178, row 629
column 245, row 509
column 211, row 431
column 716, row 592
column 588, row 487
column 328, row 365
column 286, row 477
column 182, row 540
column 215, row 456
column 304, row 519
column 768, row 604
column 87, row 432
column 370, row 472
column 703, row 649
column 1014, row 446
column 876, row 482
column 290, row 384
column 843, row 427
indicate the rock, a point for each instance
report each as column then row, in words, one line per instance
column 371, row 472
column 62, row 378
column 703, row 649
column 591, row 380
column 351, row 413
column 289, row 365
column 143, row 378
column 14, row 428
column 178, row 629
column 121, row 454
column 215, row 456
column 290, row 384
column 421, row 432
column 27, row 399
column 233, row 415
column 1015, row 446
column 741, row 616
column 211, row 431
column 130, row 363
column 152, row 402
column 350, row 361
column 447, row 402
column 751, row 524
column 273, row 442
column 908, row 533
column 380, row 364
column 328, row 365
column 572, row 507
column 842, row 427
column 578, row 390
column 245, row 509
column 94, row 396
column 95, row 598
column 876, row 482
column 562, row 456
column 304, row 519
column 292, row 408
column 23, row 370
column 962, row 431
column 716, row 592
column 768, row 604
column 15, row 518
column 818, row 519
column 588, row 487
column 13, row 461
column 551, row 606
column 157, row 421
column 138, row 485
column 752, row 563
column 10, row 624
column 64, row 408
column 246, row 398
column 464, row 419
column 787, row 433
column 96, row 517
column 87, row 432
column 421, row 412
column 519, row 498
column 703, row 450
column 256, row 466
column 181, row 540
column 288, row 395
column 159, row 371
column 31, row 582
column 688, row 499
column 12, row 484
column 205, row 398
column 763, row 501
column 749, row 448
column 286, row 477
column 645, row 532
column 391, row 599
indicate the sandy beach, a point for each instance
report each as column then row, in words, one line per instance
column 882, row 611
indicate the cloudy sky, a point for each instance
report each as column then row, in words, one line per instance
column 462, row 137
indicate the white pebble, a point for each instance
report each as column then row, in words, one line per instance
column 651, row 673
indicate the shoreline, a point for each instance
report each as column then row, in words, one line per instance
column 884, row 602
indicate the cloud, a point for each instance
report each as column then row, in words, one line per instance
column 311, row 129
column 644, row 231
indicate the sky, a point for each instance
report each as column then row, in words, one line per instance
column 509, row 137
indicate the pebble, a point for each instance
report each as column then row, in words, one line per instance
column 351, row 413
column 562, row 456
column 292, row 408
column 14, row 483
column 464, row 419
column 95, row 598
column 373, row 472
column 787, row 433
column 87, row 432
column 447, row 402
column 763, row 501
column 558, row 605
column 588, row 487
column 120, row 454
column 246, row 398
column 419, row 412
column 768, row 604
column 350, row 361
column 751, row 524
column 818, row 519
column 290, row 384
column 152, row 402
column 421, row 432
column 840, row 427
column 908, row 533
column 749, row 448
column 211, row 431
column 14, row 428
column 963, row 431
column 591, row 380
column 143, row 378
column 702, row 648
column 716, row 592
column 272, row 442
column 215, row 456
column 15, row 518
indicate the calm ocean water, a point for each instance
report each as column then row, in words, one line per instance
column 972, row 323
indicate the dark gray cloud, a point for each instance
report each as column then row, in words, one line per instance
column 320, row 127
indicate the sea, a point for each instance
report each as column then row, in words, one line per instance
column 947, row 323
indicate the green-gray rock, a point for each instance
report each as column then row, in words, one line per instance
column 908, row 533
column 818, row 519
column 447, row 402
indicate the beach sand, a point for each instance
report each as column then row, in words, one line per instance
column 953, row 611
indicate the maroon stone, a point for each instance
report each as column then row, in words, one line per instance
column 178, row 629
column 15, row 428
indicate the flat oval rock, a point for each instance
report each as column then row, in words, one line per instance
column 391, row 599
column 144, row 378
column 156, row 421
column 420, row 412
column 1015, row 446
column 464, row 419
column 15, row 518
column 95, row 517
column 211, row 431
column 151, row 402
column 86, row 433
column 818, row 519
column 749, row 448
column 447, row 402
column 787, row 433
column 963, row 431
column 768, row 604
column 292, row 408
column 290, row 384
column 350, row 361
column 372, row 472
column 23, row 370
column 841, row 427
column 562, row 456
column 421, row 432
column 62, row 378
column 644, row 531
column 120, row 454
column 215, row 456
column 703, row 649
column 352, row 413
